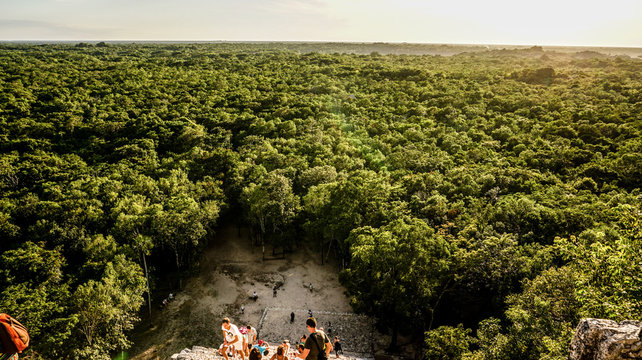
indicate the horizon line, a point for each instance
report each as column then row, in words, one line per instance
column 308, row 42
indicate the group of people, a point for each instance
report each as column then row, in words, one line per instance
column 244, row 342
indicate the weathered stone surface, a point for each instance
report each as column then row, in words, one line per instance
column 355, row 331
column 598, row 339
column 203, row 353
column 198, row 353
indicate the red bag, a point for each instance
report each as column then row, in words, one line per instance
column 13, row 335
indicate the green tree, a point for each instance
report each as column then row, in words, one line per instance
column 403, row 259
column 36, row 292
column 107, row 308
column 271, row 206
column 447, row 343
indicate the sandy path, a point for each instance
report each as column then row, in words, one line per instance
column 230, row 272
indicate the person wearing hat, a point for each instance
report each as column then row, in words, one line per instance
column 243, row 331
column 286, row 346
column 263, row 347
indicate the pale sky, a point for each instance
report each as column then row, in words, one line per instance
column 518, row 22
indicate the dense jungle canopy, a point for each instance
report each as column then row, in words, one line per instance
column 481, row 203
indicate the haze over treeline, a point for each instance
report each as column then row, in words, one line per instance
column 527, row 22
column 480, row 203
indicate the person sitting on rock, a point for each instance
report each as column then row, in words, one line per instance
column 263, row 347
column 280, row 354
column 255, row 354
column 286, row 346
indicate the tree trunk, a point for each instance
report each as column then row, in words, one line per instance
column 329, row 248
column 434, row 308
column 393, row 340
column 178, row 263
column 149, row 289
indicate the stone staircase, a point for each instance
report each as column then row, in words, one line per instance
column 203, row 353
column 354, row 331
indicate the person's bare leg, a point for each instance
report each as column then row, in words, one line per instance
column 223, row 351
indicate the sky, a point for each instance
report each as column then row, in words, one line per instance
column 507, row 22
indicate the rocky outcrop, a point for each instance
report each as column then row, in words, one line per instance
column 197, row 353
column 598, row 339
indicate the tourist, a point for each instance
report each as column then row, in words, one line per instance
column 243, row 331
column 280, row 354
column 286, row 346
column 337, row 346
column 255, row 354
column 251, row 335
column 232, row 339
column 263, row 346
column 317, row 341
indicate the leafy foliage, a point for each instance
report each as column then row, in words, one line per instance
column 498, row 189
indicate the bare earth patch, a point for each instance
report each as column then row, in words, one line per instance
column 230, row 272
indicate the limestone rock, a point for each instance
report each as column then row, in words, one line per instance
column 598, row 339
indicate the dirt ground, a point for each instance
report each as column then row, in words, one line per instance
column 230, row 271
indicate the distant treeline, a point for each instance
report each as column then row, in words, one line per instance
column 361, row 48
column 481, row 203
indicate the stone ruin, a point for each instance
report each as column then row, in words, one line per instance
column 595, row 339
column 598, row 339
column 354, row 331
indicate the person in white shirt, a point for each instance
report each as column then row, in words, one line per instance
column 232, row 340
column 251, row 336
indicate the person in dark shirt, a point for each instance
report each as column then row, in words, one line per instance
column 316, row 342
column 337, row 346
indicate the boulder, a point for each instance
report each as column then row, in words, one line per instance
column 598, row 339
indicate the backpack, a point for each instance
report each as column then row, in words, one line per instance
column 13, row 335
column 322, row 355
